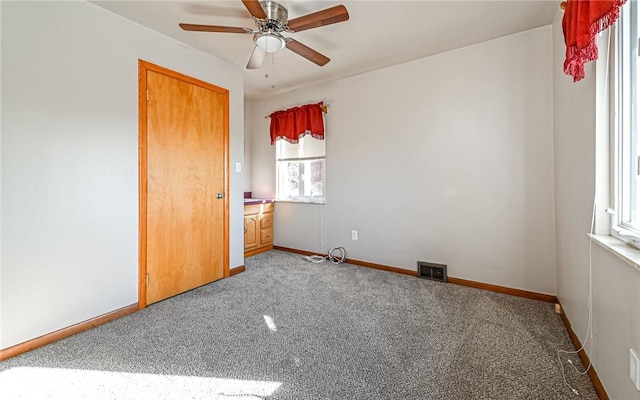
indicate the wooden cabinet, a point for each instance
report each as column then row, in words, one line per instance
column 250, row 230
column 258, row 228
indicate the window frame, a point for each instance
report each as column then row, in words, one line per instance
column 624, row 132
column 307, row 160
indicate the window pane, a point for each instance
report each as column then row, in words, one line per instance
column 292, row 179
column 301, row 180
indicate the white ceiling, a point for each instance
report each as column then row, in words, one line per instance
column 378, row 33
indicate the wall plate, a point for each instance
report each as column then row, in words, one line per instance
column 634, row 368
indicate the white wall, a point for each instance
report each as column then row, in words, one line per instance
column 616, row 284
column 246, row 168
column 0, row 181
column 446, row 159
column 70, row 160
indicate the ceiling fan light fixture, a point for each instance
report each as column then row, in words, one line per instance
column 269, row 42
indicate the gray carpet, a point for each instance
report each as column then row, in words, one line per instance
column 290, row 329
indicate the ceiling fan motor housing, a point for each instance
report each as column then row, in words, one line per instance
column 276, row 14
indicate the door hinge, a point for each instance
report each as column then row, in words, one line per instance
column 147, row 280
column 147, row 94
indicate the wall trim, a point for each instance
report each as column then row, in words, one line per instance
column 66, row 332
column 381, row 267
column 593, row 376
column 506, row 290
column 354, row 262
column 290, row 250
column 236, row 270
column 463, row 282
column 259, row 250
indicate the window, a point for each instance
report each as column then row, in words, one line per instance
column 300, row 170
column 626, row 143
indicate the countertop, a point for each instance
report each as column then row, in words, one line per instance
column 257, row 201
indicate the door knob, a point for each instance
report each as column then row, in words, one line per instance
column 219, row 195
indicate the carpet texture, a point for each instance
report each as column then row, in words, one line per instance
column 290, row 329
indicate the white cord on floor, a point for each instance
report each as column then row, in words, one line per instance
column 339, row 259
column 315, row 259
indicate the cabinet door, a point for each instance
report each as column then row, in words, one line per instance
column 250, row 232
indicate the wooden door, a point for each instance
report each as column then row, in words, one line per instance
column 186, row 183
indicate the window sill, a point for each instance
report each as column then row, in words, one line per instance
column 301, row 202
column 620, row 249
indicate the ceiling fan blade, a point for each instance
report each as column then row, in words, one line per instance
column 307, row 52
column 255, row 61
column 321, row 18
column 255, row 8
column 214, row 28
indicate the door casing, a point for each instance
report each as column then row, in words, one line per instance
column 143, row 68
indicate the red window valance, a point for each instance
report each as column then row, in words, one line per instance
column 582, row 21
column 294, row 123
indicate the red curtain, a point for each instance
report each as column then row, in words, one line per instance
column 294, row 123
column 582, row 21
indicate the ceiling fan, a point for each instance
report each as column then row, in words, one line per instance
column 271, row 20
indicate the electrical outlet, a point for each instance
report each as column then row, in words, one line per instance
column 634, row 368
column 354, row 235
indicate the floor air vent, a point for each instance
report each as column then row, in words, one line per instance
column 436, row 272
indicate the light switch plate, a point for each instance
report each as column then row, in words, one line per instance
column 634, row 368
column 238, row 167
